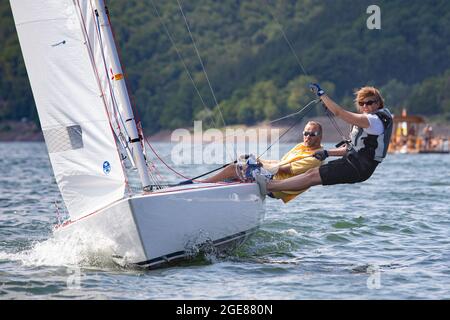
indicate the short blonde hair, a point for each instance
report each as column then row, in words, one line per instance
column 316, row 124
column 366, row 92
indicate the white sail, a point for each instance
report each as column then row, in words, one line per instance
column 70, row 88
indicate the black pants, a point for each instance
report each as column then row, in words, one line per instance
column 352, row 168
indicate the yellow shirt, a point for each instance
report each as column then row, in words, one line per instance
column 299, row 164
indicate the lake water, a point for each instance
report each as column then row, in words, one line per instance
column 386, row 238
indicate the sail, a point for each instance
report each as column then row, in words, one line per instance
column 70, row 86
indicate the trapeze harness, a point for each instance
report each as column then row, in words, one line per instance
column 370, row 147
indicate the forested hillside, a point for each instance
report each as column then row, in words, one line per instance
column 253, row 72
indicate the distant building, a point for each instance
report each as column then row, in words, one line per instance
column 411, row 134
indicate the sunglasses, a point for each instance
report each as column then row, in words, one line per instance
column 369, row 103
column 311, row 134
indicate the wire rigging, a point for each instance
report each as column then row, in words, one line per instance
column 332, row 118
column 290, row 46
column 295, row 113
column 329, row 114
column 304, row 109
column 204, row 69
column 210, row 86
column 153, row 175
column 169, row 35
column 201, row 61
column 308, row 105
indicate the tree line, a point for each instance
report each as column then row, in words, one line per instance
column 251, row 68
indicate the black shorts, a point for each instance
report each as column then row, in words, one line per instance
column 348, row 169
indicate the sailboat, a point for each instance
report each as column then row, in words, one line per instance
column 91, row 136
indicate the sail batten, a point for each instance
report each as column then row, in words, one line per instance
column 69, row 93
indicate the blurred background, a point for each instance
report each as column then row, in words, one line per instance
column 252, row 70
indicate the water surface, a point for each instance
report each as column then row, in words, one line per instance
column 386, row 238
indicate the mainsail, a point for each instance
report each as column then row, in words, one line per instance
column 68, row 72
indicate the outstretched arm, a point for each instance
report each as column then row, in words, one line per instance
column 356, row 119
column 353, row 118
column 323, row 154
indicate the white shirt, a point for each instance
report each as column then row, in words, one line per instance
column 375, row 125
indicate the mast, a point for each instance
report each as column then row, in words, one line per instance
column 121, row 94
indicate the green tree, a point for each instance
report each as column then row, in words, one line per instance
column 396, row 95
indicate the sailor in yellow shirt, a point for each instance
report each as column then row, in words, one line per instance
column 300, row 160
column 297, row 161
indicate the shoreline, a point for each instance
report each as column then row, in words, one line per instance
column 27, row 131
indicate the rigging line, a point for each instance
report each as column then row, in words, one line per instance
column 195, row 178
column 188, row 73
column 204, row 70
column 193, row 83
column 111, row 89
column 160, row 159
column 287, row 41
column 136, row 115
column 333, row 121
column 172, row 169
column 110, row 85
column 201, row 61
column 119, row 120
column 182, row 61
column 287, row 130
column 273, row 121
column 295, row 113
column 113, row 96
column 114, row 109
column 329, row 114
column 152, row 166
column 135, row 111
column 195, row 146
column 85, row 33
column 152, row 177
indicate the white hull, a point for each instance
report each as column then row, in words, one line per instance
column 160, row 227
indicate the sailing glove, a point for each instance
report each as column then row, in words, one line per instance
column 321, row 155
column 318, row 91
